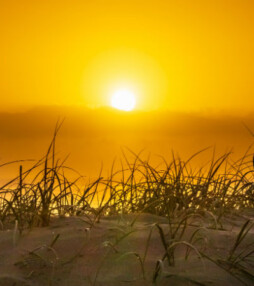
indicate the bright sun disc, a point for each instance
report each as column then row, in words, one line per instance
column 123, row 100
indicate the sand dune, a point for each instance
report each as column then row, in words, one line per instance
column 72, row 252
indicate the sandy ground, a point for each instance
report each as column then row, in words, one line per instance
column 69, row 252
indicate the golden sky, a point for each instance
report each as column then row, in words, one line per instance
column 173, row 54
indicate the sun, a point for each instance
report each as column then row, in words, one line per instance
column 124, row 100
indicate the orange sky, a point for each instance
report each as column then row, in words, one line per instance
column 180, row 55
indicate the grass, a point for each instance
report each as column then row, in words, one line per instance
column 166, row 192
column 173, row 190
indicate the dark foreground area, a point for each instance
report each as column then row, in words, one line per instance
column 138, row 249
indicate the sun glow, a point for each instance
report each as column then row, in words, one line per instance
column 124, row 100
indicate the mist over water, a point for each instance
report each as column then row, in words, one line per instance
column 95, row 138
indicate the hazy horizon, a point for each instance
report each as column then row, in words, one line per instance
column 95, row 137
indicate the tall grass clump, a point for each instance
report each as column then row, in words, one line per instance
column 176, row 187
column 43, row 191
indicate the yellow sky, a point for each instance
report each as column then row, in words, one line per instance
column 180, row 55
